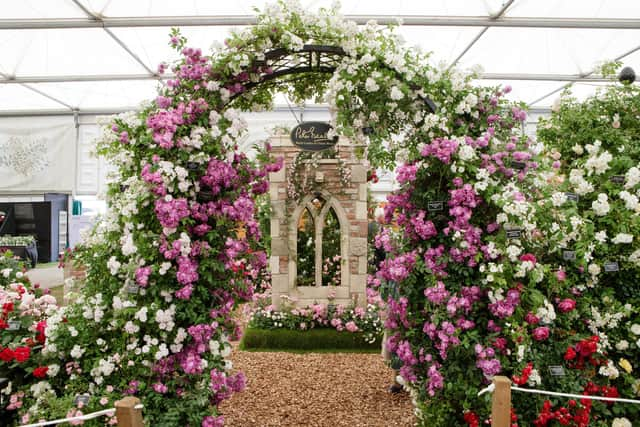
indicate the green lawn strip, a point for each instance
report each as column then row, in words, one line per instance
column 314, row 340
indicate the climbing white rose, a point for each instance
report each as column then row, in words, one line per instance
column 621, row 422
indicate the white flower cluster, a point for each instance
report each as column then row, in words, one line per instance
column 597, row 164
column 601, row 205
column 609, row 371
column 632, row 178
column 630, row 201
column 547, row 313
column 165, row 318
column 580, row 185
column 622, row 238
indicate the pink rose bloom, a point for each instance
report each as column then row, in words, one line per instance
column 566, row 305
column 561, row 275
column 531, row 319
column 529, row 257
column 540, row 333
column 351, row 326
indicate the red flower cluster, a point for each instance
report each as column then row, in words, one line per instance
column 526, row 373
column 6, row 309
column 471, row 418
column 575, row 416
column 583, row 352
column 20, row 354
column 40, row 372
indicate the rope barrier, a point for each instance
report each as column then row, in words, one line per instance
column 575, row 396
column 78, row 418
column 491, row 387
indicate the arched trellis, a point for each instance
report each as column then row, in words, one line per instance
column 311, row 58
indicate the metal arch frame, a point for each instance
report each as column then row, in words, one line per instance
column 243, row 20
column 315, row 59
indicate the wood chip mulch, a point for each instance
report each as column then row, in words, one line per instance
column 315, row 390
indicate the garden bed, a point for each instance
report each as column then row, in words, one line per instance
column 322, row 339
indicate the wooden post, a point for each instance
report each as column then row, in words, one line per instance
column 501, row 403
column 127, row 414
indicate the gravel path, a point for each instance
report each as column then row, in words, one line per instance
column 315, row 390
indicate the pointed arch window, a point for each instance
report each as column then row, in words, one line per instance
column 319, row 245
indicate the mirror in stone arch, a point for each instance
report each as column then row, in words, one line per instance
column 320, row 249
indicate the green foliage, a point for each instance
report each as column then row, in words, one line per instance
column 314, row 339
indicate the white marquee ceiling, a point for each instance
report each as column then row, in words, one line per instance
column 100, row 55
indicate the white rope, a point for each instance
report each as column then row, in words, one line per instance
column 575, row 396
column 81, row 417
column 489, row 389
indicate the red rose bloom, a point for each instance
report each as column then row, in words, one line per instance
column 40, row 372
column 6, row 355
column 570, row 354
column 22, row 354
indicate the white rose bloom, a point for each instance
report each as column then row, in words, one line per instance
column 601, row 236
column 622, row 238
column 131, row 328
column 577, row 149
column 622, row 345
column 635, row 257
column 370, row 85
column 113, row 265
column 635, row 329
column 601, row 205
column 53, row 370
column 609, row 371
column 396, row 94
column 466, row 152
column 534, row 378
column 632, row 178
column 621, row 422
column 594, row 269
column 77, row 352
column 558, row 199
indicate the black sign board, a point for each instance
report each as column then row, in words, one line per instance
column 313, row 136
column 556, row 371
column 618, row 179
column 518, row 165
column 132, row 288
column 435, row 205
column 514, row 233
column 572, row 196
column 569, row 255
column 14, row 325
column 611, row 266
column 81, row 399
column 193, row 166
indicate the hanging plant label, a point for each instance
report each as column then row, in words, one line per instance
column 193, row 166
column 313, row 136
column 572, row 196
column 618, row 179
column 205, row 196
column 514, row 233
column 611, row 266
column 569, row 255
column 14, row 325
column 556, row 370
column 81, row 399
column 519, row 165
column 132, row 288
column 435, row 205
